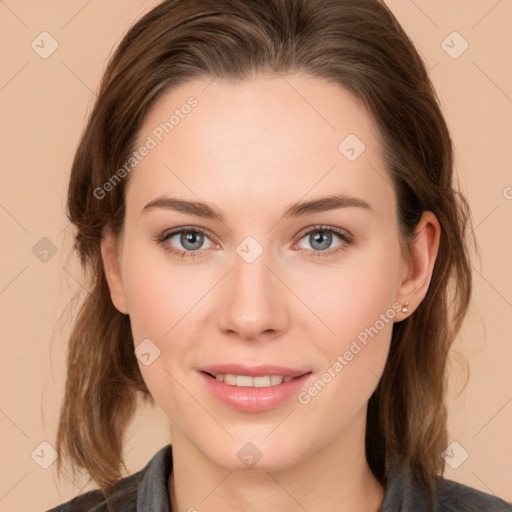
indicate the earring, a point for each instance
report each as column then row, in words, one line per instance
column 404, row 307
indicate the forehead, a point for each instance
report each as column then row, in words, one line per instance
column 268, row 138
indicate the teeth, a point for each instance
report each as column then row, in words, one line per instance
column 248, row 381
column 261, row 382
column 244, row 381
column 275, row 379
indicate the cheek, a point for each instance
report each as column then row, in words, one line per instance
column 159, row 298
column 355, row 306
column 355, row 294
column 156, row 294
column 163, row 301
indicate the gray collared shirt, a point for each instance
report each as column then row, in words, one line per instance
column 147, row 491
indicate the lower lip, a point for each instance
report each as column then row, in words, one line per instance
column 254, row 399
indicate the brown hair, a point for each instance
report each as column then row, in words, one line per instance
column 357, row 44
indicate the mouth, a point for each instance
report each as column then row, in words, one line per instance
column 261, row 376
column 253, row 388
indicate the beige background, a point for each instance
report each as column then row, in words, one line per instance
column 43, row 105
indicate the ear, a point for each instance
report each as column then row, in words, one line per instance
column 109, row 255
column 418, row 269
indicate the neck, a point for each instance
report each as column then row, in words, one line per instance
column 336, row 477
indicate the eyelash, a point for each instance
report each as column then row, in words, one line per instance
column 346, row 240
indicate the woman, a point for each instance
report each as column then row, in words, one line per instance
column 263, row 197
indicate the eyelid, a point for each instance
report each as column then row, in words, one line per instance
column 180, row 229
column 343, row 233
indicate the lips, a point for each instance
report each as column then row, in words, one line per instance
column 253, row 388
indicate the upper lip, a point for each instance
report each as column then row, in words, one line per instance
column 253, row 371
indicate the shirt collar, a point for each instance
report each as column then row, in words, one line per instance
column 153, row 491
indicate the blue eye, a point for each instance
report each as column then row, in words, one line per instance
column 320, row 239
column 190, row 239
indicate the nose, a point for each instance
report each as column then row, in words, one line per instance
column 255, row 301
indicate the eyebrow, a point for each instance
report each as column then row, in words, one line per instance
column 298, row 209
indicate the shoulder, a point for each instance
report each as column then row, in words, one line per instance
column 121, row 496
column 404, row 493
column 456, row 497
column 145, row 490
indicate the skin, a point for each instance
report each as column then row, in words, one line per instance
column 252, row 149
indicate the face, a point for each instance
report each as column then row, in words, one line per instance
column 254, row 286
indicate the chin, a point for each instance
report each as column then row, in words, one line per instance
column 255, row 450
